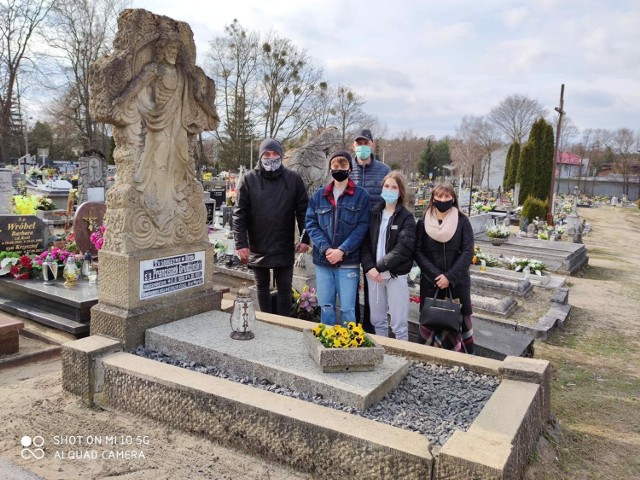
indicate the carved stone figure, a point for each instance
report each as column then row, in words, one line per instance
column 158, row 100
column 310, row 160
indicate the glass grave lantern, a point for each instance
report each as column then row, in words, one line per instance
column 71, row 272
column 49, row 270
column 244, row 315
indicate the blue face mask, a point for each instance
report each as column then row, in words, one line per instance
column 389, row 196
column 363, row 152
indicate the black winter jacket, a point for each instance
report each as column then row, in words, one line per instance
column 432, row 256
column 401, row 238
column 268, row 205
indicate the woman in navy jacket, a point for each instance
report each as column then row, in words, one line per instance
column 337, row 221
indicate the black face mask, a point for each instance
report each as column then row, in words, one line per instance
column 340, row 175
column 443, row 206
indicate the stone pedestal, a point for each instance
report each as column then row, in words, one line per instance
column 125, row 309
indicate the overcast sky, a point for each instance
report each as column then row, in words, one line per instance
column 422, row 65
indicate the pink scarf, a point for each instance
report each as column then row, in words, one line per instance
column 441, row 232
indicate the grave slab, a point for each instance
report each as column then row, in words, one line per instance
column 276, row 354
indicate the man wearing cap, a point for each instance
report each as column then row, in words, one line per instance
column 368, row 173
column 271, row 198
column 337, row 222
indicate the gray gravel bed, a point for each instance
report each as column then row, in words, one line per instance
column 432, row 400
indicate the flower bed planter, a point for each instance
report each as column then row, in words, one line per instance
column 360, row 359
column 497, row 241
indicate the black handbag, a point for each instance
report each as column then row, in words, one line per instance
column 439, row 314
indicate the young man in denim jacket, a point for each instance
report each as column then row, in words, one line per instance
column 337, row 221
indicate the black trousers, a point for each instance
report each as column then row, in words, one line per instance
column 283, row 277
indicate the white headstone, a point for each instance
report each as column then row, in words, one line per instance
column 6, row 191
column 95, row 194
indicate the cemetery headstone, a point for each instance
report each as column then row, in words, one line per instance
column 219, row 195
column 516, row 195
column 6, row 191
column 88, row 219
column 531, row 230
column 93, row 175
column 22, row 234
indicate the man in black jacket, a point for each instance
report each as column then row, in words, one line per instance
column 271, row 198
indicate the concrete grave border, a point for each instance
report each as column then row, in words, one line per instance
column 313, row 438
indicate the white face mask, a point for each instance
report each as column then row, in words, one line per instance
column 271, row 164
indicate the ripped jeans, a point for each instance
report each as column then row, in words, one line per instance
column 335, row 282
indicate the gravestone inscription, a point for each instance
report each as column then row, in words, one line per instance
column 22, row 234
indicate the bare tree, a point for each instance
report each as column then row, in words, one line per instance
column 349, row 116
column 80, row 32
column 464, row 156
column 515, row 115
column 19, row 19
column 234, row 63
column 624, row 146
column 568, row 132
column 484, row 135
column 289, row 82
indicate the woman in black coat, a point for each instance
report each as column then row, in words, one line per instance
column 444, row 250
column 387, row 258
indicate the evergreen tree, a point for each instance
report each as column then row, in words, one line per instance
column 526, row 171
column 507, row 167
column 513, row 165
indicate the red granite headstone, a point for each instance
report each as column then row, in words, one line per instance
column 88, row 219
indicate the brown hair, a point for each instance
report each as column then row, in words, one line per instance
column 400, row 179
column 443, row 189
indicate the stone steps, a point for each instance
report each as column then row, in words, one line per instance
column 78, row 329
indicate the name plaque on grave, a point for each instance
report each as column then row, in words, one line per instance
column 21, row 234
column 219, row 195
column 160, row 276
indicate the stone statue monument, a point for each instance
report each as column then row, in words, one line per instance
column 156, row 265
column 158, row 100
column 310, row 160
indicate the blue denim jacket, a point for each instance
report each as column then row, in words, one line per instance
column 342, row 226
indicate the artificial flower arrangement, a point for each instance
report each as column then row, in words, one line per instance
column 44, row 203
column 59, row 255
column 520, row 264
column 337, row 336
column 305, row 304
column 97, row 237
column 479, row 255
column 498, row 231
column 34, row 172
column 25, row 204
column 21, row 267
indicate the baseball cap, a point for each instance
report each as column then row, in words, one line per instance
column 365, row 134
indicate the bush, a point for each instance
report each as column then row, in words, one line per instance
column 534, row 207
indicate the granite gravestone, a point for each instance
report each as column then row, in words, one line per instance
column 22, row 234
column 6, row 191
column 88, row 219
column 92, row 176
